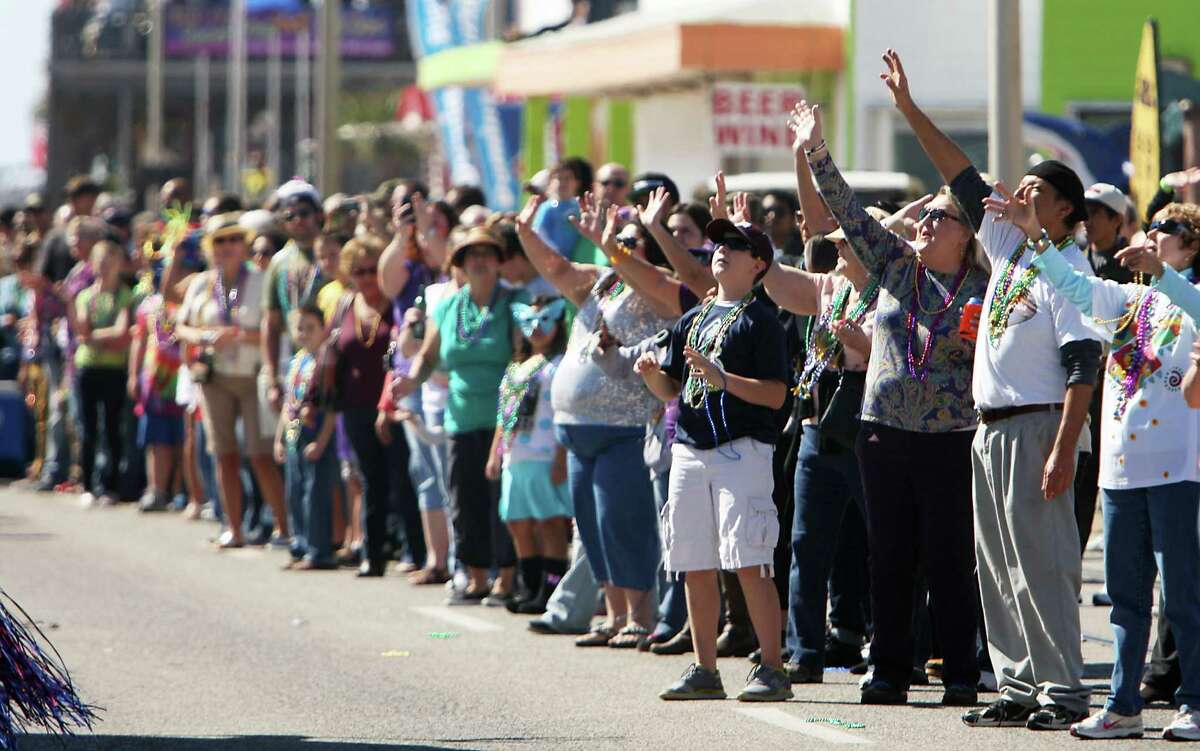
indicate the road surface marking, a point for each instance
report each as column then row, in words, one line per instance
column 470, row 623
column 781, row 719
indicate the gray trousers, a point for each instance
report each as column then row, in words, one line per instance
column 1029, row 565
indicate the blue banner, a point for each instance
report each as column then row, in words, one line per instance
column 491, row 151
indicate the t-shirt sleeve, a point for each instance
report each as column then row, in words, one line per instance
column 440, row 310
column 270, row 300
column 673, row 362
column 769, row 349
column 187, row 307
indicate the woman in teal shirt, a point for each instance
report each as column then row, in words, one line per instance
column 473, row 340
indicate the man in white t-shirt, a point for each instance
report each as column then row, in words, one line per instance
column 1033, row 346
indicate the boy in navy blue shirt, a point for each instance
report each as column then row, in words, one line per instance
column 727, row 362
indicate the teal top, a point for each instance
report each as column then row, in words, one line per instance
column 475, row 360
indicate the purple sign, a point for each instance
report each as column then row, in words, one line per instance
column 192, row 31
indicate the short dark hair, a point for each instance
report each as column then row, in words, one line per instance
column 559, row 345
column 468, row 195
column 312, row 309
column 222, row 203
column 582, row 170
column 785, row 197
column 697, row 212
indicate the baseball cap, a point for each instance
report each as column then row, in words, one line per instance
column 538, row 184
column 1108, row 196
column 295, row 190
column 722, row 231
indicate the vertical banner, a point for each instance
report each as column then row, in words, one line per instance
column 491, row 152
column 1144, row 149
column 452, row 122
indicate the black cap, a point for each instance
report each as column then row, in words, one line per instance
column 651, row 181
column 1066, row 182
column 723, row 230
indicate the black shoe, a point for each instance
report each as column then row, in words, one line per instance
column 680, row 645
column 1054, row 717
column 879, row 691
column 369, row 569
column 1153, row 694
column 798, row 673
column 1002, row 713
column 839, row 654
column 736, row 643
column 960, row 695
column 860, row 668
column 918, row 678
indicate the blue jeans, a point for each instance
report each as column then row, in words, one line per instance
column 826, row 484
column 1150, row 531
column 672, row 600
column 427, row 464
column 573, row 603
column 614, row 503
column 56, row 467
column 309, row 493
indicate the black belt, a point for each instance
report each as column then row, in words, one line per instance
column 989, row 416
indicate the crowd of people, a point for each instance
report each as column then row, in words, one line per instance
column 789, row 427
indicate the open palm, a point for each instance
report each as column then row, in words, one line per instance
column 805, row 123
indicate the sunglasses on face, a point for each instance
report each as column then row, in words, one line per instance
column 368, row 271
column 1173, row 227
column 226, row 240
column 629, row 242
column 614, row 182
column 937, row 215
column 294, row 214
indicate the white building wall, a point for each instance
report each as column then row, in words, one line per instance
column 673, row 134
column 943, row 44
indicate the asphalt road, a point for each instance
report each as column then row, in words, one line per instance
column 188, row 649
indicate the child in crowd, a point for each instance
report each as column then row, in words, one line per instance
column 154, row 362
column 532, row 467
column 729, row 358
column 302, row 444
column 101, row 323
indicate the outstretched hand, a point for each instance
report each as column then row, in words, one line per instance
column 805, row 124
column 717, row 205
column 741, row 209
column 1183, row 178
column 1140, row 258
column 1016, row 208
column 655, row 213
column 525, row 218
column 590, row 221
column 896, row 80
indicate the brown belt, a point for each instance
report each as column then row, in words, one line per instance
column 989, row 416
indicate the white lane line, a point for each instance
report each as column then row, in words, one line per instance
column 458, row 619
column 781, row 719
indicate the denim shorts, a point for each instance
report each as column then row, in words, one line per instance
column 160, row 430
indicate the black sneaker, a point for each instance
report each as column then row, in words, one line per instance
column 960, row 695
column 839, row 654
column 798, row 673
column 1002, row 713
column 879, row 691
column 1054, row 717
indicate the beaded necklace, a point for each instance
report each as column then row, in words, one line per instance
column 1129, row 376
column 469, row 332
column 822, row 346
column 1007, row 294
column 297, row 390
column 918, row 368
column 615, row 291
column 513, row 390
column 228, row 301
column 695, row 389
column 368, row 340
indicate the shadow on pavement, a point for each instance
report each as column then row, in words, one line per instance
column 232, row 743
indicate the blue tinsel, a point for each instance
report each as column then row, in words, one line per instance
column 35, row 688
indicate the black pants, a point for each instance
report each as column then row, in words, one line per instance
column 101, row 389
column 387, row 486
column 1162, row 671
column 917, row 488
column 480, row 539
column 1087, row 474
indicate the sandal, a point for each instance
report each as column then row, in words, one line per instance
column 628, row 637
column 599, row 636
column 428, row 576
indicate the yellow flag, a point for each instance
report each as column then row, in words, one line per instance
column 1144, row 133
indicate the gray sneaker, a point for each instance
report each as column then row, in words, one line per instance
column 696, row 683
column 152, row 502
column 766, row 684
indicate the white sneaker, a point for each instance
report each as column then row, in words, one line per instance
column 87, row 500
column 1107, row 724
column 107, row 501
column 1185, row 726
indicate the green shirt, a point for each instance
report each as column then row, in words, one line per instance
column 474, row 363
column 101, row 309
column 292, row 280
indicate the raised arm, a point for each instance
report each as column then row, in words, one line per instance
column 793, row 289
column 692, row 272
column 1166, row 279
column 393, row 273
column 947, row 157
column 652, row 284
column 816, row 213
column 573, row 281
column 874, row 245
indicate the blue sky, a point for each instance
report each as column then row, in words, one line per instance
column 24, row 48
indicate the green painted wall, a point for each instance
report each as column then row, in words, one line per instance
column 620, row 132
column 1089, row 47
column 533, row 150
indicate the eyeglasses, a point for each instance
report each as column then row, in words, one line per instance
column 614, row 182
column 937, row 215
column 629, row 242
column 301, row 213
column 368, row 271
column 1174, row 227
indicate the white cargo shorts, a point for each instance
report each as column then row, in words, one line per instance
column 719, row 512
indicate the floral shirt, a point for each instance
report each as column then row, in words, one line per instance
column 893, row 397
column 160, row 365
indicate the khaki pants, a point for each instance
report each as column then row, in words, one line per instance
column 1029, row 566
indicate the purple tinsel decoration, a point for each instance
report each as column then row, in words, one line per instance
column 35, row 689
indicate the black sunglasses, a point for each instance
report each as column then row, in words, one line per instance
column 298, row 214
column 614, row 182
column 937, row 215
column 627, row 241
column 1173, row 227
